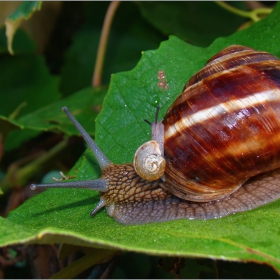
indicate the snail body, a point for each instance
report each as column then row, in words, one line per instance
column 217, row 148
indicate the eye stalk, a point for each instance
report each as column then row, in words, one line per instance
column 100, row 156
column 157, row 131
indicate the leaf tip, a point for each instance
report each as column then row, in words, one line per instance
column 10, row 31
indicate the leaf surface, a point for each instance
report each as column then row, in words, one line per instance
column 84, row 104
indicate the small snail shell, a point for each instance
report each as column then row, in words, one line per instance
column 148, row 161
column 220, row 140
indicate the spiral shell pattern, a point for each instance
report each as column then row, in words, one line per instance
column 148, row 162
column 225, row 126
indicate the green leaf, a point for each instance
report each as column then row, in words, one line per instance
column 23, row 12
column 198, row 23
column 25, row 85
column 59, row 215
column 35, row 88
column 51, row 118
column 83, row 104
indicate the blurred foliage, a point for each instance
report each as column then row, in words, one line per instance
column 55, row 46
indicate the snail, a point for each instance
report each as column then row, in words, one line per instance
column 216, row 152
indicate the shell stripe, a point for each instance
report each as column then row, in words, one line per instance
column 225, row 107
column 230, row 62
column 232, row 84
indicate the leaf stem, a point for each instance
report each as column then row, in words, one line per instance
column 16, row 112
column 97, row 256
column 2, row 144
column 18, row 176
column 97, row 74
column 255, row 15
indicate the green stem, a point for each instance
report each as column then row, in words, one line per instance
column 2, row 144
column 19, row 176
column 17, row 110
column 96, row 80
column 97, row 256
column 255, row 15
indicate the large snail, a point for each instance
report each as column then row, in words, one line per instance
column 216, row 152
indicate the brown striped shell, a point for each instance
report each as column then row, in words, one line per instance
column 225, row 126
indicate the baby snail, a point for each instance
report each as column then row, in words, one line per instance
column 216, row 151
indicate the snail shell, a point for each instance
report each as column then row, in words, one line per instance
column 148, row 161
column 225, row 126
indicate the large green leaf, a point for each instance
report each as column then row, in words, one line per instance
column 63, row 215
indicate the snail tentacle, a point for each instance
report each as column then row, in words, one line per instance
column 100, row 156
column 100, row 184
column 158, row 131
column 100, row 205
